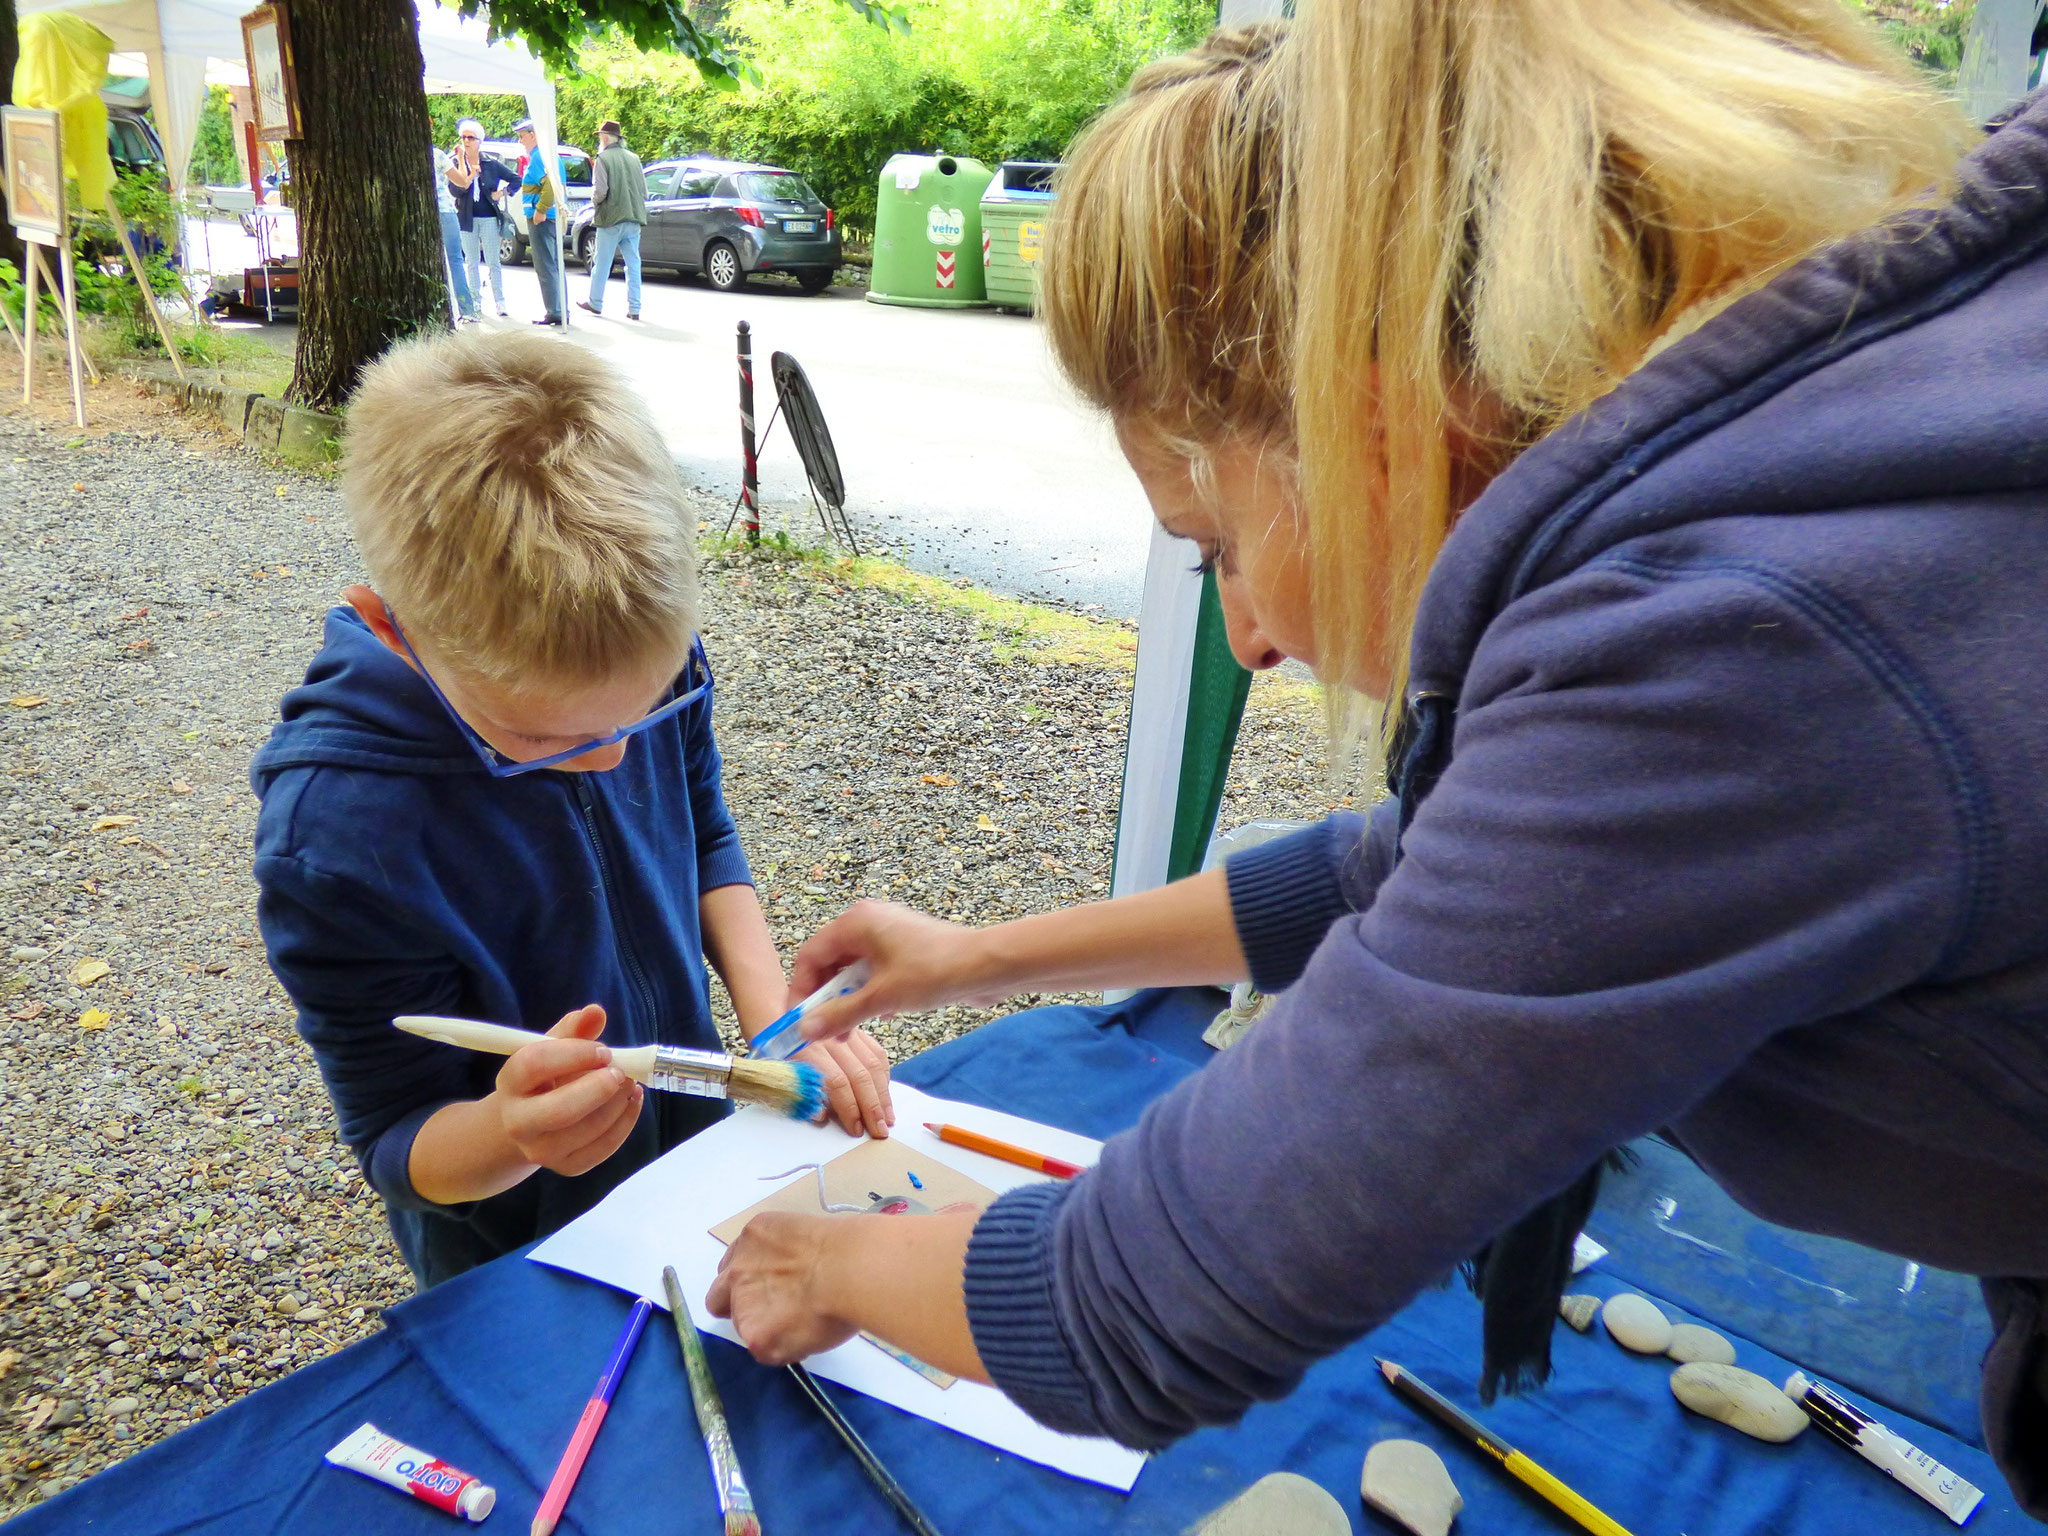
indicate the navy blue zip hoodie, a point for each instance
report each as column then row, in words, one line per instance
column 398, row 877
column 1723, row 811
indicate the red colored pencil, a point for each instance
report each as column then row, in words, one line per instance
column 988, row 1146
column 557, row 1496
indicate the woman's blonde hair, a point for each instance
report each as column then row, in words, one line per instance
column 1409, row 206
column 1158, row 287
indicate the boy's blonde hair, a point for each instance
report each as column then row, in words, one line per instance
column 1496, row 200
column 517, row 511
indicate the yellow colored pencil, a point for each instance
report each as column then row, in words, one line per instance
column 1588, row 1516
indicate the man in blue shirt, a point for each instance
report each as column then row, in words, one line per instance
column 537, row 198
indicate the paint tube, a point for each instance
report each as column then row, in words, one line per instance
column 376, row 1455
column 1842, row 1421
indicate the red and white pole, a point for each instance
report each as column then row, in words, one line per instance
column 750, row 480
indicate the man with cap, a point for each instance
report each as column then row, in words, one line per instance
column 618, row 192
column 537, row 197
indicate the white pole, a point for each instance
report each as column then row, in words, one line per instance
column 28, row 322
column 71, row 335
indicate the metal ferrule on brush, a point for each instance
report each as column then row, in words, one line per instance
column 677, row 1069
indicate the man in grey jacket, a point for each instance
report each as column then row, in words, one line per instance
column 618, row 193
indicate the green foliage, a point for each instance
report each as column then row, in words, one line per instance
column 1930, row 32
column 557, row 30
column 995, row 79
column 214, row 160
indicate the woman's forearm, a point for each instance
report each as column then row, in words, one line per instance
column 1179, row 935
column 901, row 1279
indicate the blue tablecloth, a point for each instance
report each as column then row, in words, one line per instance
column 491, row 1371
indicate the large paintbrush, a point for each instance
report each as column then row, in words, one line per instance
column 793, row 1088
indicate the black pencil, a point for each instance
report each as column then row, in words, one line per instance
column 1517, row 1466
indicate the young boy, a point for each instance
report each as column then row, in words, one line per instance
column 496, row 795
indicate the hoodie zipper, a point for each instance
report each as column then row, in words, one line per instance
column 586, row 804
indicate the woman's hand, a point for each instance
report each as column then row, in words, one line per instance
column 561, row 1102
column 770, row 1284
column 914, row 963
column 856, row 1073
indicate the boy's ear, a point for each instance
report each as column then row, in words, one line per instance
column 370, row 609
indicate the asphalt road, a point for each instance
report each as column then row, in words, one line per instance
column 963, row 452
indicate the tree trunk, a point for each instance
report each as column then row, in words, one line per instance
column 10, row 52
column 362, row 186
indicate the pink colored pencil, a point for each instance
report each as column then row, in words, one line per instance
column 557, row 1496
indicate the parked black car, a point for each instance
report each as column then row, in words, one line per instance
column 726, row 219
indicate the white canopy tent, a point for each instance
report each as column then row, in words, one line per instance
column 187, row 44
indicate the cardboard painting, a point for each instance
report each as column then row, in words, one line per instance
column 876, row 1177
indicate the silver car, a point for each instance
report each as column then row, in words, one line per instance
column 728, row 219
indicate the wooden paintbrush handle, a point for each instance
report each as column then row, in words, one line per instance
column 502, row 1040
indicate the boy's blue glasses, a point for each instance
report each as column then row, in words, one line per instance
column 697, row 669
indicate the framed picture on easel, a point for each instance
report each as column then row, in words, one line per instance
column 35, row 173
column 273, row 82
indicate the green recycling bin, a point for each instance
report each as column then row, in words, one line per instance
column 928, row 233
column 1013, row 215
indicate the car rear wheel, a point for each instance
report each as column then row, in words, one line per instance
column 586, row 243
column 511, row 248
column 814, row 279
column 722, row 267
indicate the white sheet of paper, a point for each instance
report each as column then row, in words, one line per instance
column 663, row 1215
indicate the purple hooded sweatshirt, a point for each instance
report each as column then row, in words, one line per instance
column 1726, row 808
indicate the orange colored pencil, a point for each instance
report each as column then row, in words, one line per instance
column 988, row 1146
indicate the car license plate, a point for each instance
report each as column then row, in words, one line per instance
column 799, row 226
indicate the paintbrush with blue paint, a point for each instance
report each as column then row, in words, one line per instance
column 793, row 1088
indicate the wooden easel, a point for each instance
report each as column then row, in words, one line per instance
column 75, row 355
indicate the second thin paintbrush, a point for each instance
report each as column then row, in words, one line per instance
column 735, row 1503
column 793, row 1088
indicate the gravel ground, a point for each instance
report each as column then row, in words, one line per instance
column 177, row 1222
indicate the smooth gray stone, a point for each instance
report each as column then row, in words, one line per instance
column 1636, row 1324
column 1692, row 1344
column 1408, row 1483
column 1282, row 1504
column 1740, row 1399
column 1579, row 1310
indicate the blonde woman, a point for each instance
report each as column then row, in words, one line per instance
column 1648, row 397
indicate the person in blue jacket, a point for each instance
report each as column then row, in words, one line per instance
column 496, row 796
column 1653, row 408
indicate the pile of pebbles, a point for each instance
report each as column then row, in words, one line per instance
column 178, row 1224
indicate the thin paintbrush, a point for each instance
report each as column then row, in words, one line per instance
column 791, row 1088
column 734, row 1502
column 870, row 1462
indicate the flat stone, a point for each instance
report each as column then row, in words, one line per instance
column 1279, row 1504
column 71, row 1411
column 28, row 954
column 1740, row 1399
column 1408, row 1483
column 1691, row 1344
column 309, row 1315
column 1636, row 1324
column 1579, row 1310
column 78, row 1290
column 121, row 1407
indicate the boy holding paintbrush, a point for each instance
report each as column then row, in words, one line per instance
column 497, row 795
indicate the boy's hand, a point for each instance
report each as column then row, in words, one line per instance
column 561, row 1102
column 856, row 1073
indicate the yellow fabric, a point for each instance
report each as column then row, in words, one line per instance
column 63, row 60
